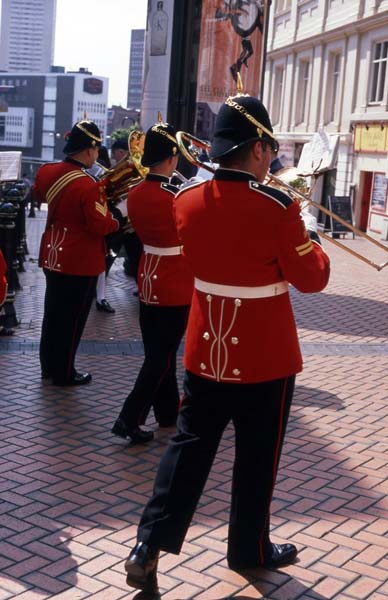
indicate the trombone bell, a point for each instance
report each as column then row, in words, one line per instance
column 192, row 148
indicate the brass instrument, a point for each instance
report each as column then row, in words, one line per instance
column 128, row 170
column 179, row 176
column 187, row 142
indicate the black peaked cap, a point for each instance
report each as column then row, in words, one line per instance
column 84, row 134
column 241, row 119
column 160, row 143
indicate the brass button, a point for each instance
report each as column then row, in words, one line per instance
column 141, row 274
column 234, row 341
column 236, row 372
column 202, row 366
column 209, row 298
column 60, row 249
column 206, row 336
column 237, row 302
column 48, row 245
column 154, row 276
column 154, row 297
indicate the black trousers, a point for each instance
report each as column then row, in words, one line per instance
column 67, row 304
column 133, row 250
column 259, row 413
column 162, row 329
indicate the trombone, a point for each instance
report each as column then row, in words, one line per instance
column 191, row 148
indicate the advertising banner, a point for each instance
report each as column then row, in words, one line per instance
column 157, row 57
column 231, row 41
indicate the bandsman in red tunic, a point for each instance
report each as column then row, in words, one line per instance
column 72, row 252
column 246, row 243
column 165, row 289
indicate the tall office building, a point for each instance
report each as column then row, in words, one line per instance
column 27, row 35
column 135, row 79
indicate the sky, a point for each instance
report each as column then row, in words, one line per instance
column 96, row 34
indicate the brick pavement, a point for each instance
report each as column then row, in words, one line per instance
column 71, row 494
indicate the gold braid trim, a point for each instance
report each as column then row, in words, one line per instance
column 86, row 132
column 158, row 129
column 243, row 111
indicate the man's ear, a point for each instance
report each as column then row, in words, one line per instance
column 257, row 150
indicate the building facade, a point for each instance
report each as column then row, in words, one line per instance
column 27, row 35
column 136, row 63
column 327, row 69
column 40, row 109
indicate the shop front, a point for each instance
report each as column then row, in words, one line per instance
column 371, row 175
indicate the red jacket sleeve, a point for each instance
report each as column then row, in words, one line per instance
column 303, row 262
column 98, row 218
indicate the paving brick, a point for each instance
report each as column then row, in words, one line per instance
column 363, row 587
column 73, row 494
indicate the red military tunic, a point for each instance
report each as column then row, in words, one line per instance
column 3, row 279
column 78, row 219
column 245, row 242
column 164, row 277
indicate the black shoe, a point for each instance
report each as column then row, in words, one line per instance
column 141, row 568
column 104, row 306
column 281, row 554
column 77, row 379
column 137, row 435
column 277, row 556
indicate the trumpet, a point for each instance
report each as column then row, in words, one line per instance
column 191, row 147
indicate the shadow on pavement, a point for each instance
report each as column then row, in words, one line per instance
column 292, row 588
column 305, row 396
column 343, row 315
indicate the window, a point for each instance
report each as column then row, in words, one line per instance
column 379, row 72
column 277, row 94
column 282, row 5
column 333, row 80
column 2, row 128
column 302, row 91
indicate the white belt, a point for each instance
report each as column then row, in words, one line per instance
column 171, row 251
column 238, row 291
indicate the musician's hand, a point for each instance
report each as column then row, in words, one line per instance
column 122, row 207
column 310, row 221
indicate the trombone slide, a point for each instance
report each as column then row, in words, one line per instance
column 304, row 198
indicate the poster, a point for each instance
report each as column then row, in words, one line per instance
column 157, row 57
column 378, row 199
column 231, row 41
column 10, row 165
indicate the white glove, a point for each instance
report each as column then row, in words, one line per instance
column 122, row 206
column 310, row 221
